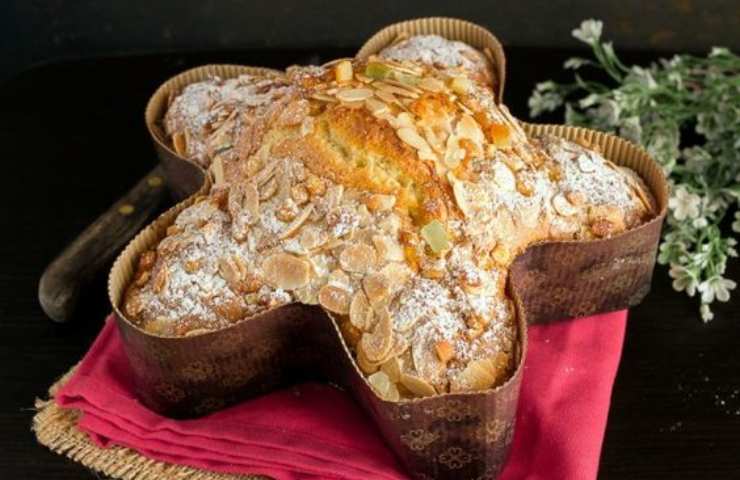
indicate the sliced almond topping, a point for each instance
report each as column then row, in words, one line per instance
column 386, row 96
column 528, row 215
column 375, row 106
column 563, row 206
column 343, row 71
column 315, row 185
column 268, row 189
column 161, row 278
column 142, row 278
column 390, row 224
column 461, row 196
column 266, row 173
column 217, row 169
column 576, row 198
column 297, row 222
column 286, row 213
column 360, row 314
column 251, row 203
column 383, row 386
column 444, row 350
column 409, row 83
column 244, row 202
column 400, row 345
column 229, row 271
column 180, row 142
column 417, row 385
column 377, row 344
column 504, row 177
column 365, row 365
column 392, row 368
column 286, row 271
column 477, row 375
column 395, row 90
column 378, row 202
column 358, row 258
column 191, row 266
column 377, row 288
column 501, row 254
column 431, row 84
column 499, row 135
column 312, row 237
column 334, row 299
column 324, row 97
column 354, row 94
column 427, row 154
column 147, row 259
column 454, row 154
column 389, row 250
column 299, row 194
column 639, row 188
column 411, row 137
column 461, row 85
column 585, row 164
column 404, row 119
column 468, row 128
column 339, row 279
column 397, row 274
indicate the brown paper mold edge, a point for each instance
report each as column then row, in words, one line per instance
column 444, row 436
column 568, row 279
column 185, row 177
column 189, row 376
column 450, row 28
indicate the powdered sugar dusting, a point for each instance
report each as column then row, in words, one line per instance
column 433, row 50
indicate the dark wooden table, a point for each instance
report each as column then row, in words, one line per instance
column 72, row 138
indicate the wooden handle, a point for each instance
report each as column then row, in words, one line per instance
column 97, row 245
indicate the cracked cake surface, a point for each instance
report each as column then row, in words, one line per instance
column 394, row 194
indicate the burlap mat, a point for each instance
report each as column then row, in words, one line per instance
column 56, row 429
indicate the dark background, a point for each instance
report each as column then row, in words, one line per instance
column 77, row 77
column 33, row 31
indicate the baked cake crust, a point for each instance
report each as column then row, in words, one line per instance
column 394, row 195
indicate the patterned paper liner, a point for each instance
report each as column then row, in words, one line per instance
column 450, row 28
column 183, row 176
column 444, row 436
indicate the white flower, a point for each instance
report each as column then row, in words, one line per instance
column 588, row 101
column 644, row 77
column 683, row 279
column 676, row 79
column 575, row 63
column 706, row 313
column 608, row 112
column 589, row 31
column 736, row 223
column 719, row 51
column 545, row 98
column 696, row 158
column 700, row 223
column 716, row 287
column 684, row 204
column 631, row 129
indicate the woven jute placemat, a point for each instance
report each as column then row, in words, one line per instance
column 56, row 428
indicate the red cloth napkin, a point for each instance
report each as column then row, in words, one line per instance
column 316, row 431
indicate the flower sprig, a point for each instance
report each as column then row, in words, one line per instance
column 658, row 106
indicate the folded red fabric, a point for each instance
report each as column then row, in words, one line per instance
column 314, row 431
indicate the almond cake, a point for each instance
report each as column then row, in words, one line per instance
column 393, row 193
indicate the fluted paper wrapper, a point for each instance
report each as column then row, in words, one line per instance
column 449, row 436
column 558, row 280
column 184, row 176
column 451, row 29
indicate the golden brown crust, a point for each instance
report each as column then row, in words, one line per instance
column 395, row 196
